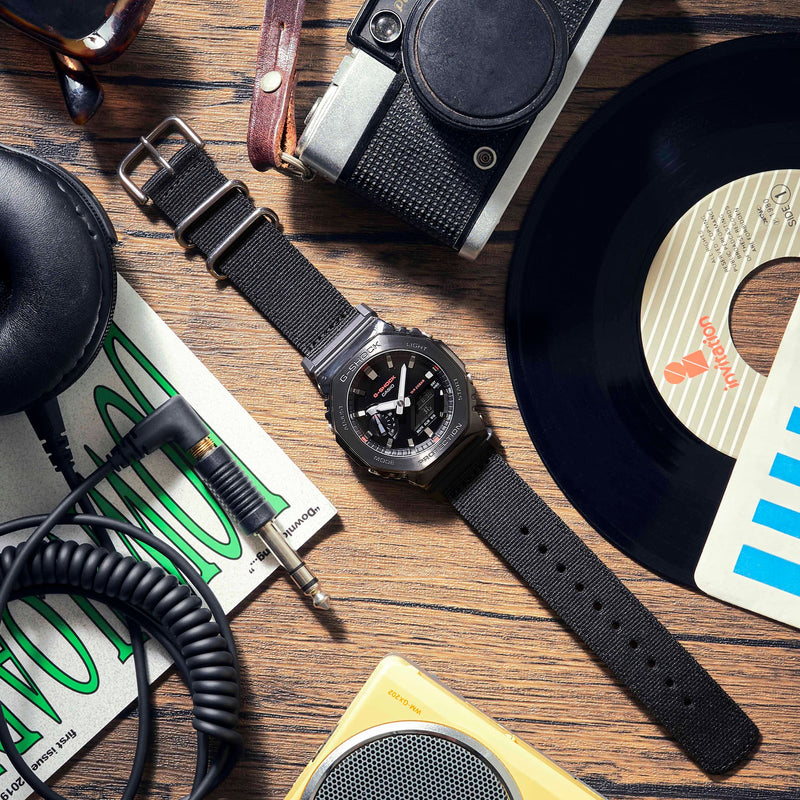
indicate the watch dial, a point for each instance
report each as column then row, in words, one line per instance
column 400, row 403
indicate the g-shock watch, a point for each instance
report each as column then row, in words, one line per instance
column 402, row 405
column 399, row 402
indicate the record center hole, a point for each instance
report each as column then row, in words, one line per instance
column 761, row 309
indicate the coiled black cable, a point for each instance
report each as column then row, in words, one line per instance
column 47, row 422
column 197, row 638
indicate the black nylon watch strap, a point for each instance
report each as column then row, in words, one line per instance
column 518, row 525
column 263, row 265
column 287, row 289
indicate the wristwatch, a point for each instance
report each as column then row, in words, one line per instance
column 403, row 406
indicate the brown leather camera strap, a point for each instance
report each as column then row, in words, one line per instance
column 273, row 133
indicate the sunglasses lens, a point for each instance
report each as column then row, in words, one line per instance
column 72, row 20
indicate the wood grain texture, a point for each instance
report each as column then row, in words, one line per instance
column 407, row 575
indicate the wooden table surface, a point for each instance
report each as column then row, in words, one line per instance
column 407, row 575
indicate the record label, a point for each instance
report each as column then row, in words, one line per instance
column 689, row 291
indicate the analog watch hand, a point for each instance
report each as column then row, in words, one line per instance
column 401, row 391
column 387, row 405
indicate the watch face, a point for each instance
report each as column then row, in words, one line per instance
column 400, row 403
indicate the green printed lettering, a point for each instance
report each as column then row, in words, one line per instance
column 123, row 648
column 115, row 339
column 105, row 399
column 87, row 686
column 142, row 512
column 23, row 684
column 27, row 737
column 108, row 509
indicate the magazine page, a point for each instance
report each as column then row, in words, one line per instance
column 66, row 668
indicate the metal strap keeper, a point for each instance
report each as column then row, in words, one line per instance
column 237, row 232
column 205, row 207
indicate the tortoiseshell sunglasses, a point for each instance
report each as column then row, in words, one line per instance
column 79, row 33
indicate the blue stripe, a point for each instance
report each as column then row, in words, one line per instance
column 794, row 421
column 768, row 569
column 779, row 518
column 786, row 468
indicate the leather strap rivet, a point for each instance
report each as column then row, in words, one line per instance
column 271, row 82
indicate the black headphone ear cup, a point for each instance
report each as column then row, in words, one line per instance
column 59, row 283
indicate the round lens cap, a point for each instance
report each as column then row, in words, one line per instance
column 484, row 65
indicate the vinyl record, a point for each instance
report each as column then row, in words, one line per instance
column 621, row 455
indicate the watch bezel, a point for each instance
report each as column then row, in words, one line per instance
column 407, row 465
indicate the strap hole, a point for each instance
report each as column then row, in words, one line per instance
column 633, row 643
column 542, row 548
column 669, row 682
column 560, row 567
column 598, row 606
column 687, row 701
column 524, row 530
column 578, row 587
column 614, row 625
column 651, row 663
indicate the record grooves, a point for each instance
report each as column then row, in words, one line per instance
column 621, row 456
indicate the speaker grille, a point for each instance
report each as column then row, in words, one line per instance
column 412, row 766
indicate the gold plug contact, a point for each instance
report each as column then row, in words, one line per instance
column 202, row 448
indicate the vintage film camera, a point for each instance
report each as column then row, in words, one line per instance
column 405, row 736
column 439, row 110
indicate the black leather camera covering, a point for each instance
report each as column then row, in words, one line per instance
column 57, row 279
column 480, row 65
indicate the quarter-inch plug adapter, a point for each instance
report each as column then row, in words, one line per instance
column 177, row 422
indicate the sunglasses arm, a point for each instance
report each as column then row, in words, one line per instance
column 82, row 92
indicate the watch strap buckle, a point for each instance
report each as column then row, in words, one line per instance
column 146, row 148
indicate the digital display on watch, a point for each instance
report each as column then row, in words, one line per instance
column 424, row 407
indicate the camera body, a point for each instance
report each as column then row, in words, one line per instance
column 440, row 108
column 406, row 735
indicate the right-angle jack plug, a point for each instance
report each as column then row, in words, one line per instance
column 177, row 422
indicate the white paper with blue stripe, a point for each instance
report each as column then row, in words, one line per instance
column 752, row 554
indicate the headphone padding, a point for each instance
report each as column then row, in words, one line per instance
column 56, row 254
